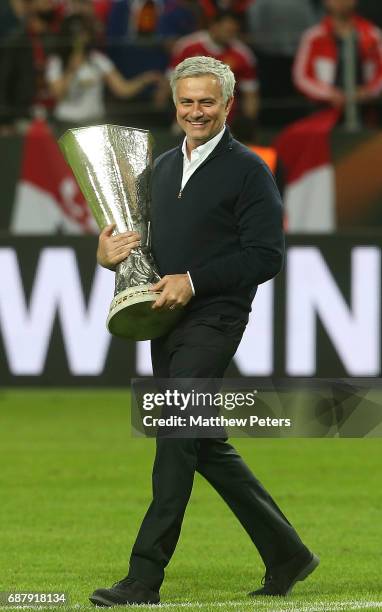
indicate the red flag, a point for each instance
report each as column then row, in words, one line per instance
column 48, row 197
column 304, row 149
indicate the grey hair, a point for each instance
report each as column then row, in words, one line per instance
column 201, row 65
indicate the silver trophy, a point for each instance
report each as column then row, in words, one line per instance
column 112, row 165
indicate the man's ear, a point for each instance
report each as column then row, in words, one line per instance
column 228, row 105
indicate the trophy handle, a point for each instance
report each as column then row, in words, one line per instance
column 148, row 238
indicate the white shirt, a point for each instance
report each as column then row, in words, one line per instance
column 84, row 99
column 198, row 156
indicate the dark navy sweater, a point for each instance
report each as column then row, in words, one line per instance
column 225, row 228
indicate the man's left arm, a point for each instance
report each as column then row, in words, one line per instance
column 259, row 224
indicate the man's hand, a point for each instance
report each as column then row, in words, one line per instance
column 363, row 94
column 337, row 98
column 176, row 292
column 114, row 249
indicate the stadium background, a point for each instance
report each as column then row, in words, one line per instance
column 75, row 483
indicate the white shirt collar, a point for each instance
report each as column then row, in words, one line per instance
column 204, row 150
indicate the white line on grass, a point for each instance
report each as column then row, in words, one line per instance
column 324, row 606
column 319, row 606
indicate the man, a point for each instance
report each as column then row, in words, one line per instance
column 217, row 233
column 319, row 68
column 23, row 86
column 221, row 42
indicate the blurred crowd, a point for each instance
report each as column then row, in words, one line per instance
column 71, row 60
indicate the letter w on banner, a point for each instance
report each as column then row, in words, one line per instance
column 304, row 148
column 48, row 199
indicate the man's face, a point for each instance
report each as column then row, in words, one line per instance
column 223, row 32
column 340, row 8
column 200, row 109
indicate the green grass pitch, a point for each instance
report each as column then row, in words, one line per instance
column 75, row 485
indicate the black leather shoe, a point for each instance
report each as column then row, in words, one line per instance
column 281, row 579
column 124, row 593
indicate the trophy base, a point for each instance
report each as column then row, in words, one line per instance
column 131, row 316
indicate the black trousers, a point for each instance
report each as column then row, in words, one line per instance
column 202, row 347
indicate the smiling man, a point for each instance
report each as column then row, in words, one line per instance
column 201, row 111
column 217, row 234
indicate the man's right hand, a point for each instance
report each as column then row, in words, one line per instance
column 114, row 249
